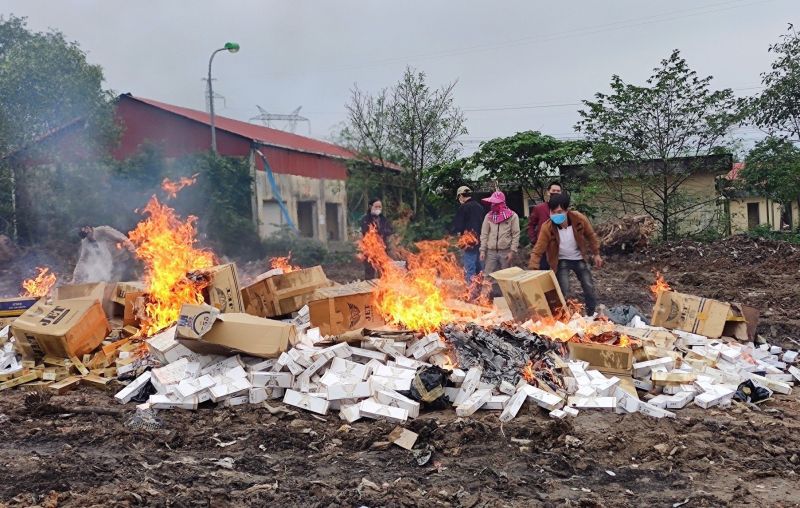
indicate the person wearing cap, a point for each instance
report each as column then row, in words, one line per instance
column 499, row 234
column 568, row 240
column 538, row 216
column 469, row 218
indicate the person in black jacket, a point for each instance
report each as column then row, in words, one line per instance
column 469, row 217
column 384, row 227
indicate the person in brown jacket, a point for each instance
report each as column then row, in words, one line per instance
column 568, row 240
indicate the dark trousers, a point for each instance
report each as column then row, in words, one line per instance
column 584, row 274
column 543, row 264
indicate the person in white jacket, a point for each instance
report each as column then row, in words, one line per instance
column 103, row 255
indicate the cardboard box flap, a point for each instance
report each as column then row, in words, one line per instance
column 742, row 322
column 355, row 288
column 224, row 292
column 102, row 291
column 195, row 320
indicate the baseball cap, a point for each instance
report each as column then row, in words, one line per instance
column 463, row 190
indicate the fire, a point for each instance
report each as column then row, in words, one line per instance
column 41, row 284
column 165, row 244
column 283, row 263
column 624, row 341
column 467, row 240
column 413, row 298
column 527, row 371
column 659, row 285
column 172, row 188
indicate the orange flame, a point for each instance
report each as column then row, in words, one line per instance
column 413, row 298
column 527, row 371
column 467, row 240
column 283, row 263
column 659, row 285
column 40, row 285
column 624, row 341
column 172, row 188
column 165, row 244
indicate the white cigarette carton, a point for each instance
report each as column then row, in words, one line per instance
column 450, row 393
column 158, row 401
column 306, row 401
column 789, row 356
column 571, row 411
column 473, row 403
column 607, row 387
column 469, row 385
column 271, row 379
column 542, row 398
column 257, row 395
column 394, row 399
column 347, row 370
column 507, row 388
column 513, row 406
column 383, row 383
column 655, row 412
column 350, row 413
column 367, row 355
column 235, row 401
column 642, row 369
column 189, row 387
column 659, row 401
column 496, row 402
column 626, row 403
column 680, row 400
column 592, row 402
column 775, row 386
column 126, row 394
column 340, row 391
column 557, row 414
column 400, row 373
column 370, row 408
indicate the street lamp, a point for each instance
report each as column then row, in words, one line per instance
column 231, row 47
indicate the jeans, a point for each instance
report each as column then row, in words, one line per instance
column 584, row 274
column 472, row 264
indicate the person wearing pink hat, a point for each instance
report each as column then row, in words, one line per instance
column 499, row 234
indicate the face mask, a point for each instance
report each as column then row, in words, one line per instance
column 376, row 211
column 558, row 218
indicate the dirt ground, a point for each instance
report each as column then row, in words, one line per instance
column 250, row 455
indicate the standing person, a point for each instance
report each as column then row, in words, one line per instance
column 538, row 216
column 499, row 234
column 375, row 217
column 469, row 218
column 568, row 240
column 103, row 256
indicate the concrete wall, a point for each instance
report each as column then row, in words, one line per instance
column 309, row 202
column 769, row 213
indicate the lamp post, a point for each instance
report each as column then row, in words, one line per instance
column 231, row 47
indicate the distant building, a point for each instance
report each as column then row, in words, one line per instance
column 748, row 210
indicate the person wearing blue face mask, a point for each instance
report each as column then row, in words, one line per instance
column 568, row 241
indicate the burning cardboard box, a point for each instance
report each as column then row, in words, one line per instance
column 339, row 309
column 204, row 330
column 63, row 329
column 223, row 291
column 530, row 293
column 282, row 294
column 690, row 313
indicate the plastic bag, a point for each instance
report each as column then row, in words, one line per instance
column 751, row 392
column 427, row 388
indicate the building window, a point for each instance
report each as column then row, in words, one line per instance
column 753, row 217
column 332, row 222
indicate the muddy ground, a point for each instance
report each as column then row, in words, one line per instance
column 250, row 455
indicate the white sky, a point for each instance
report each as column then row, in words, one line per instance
column 520, row 64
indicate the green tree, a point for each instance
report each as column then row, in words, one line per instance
column 772, row 169
column 648, row 141
column 777, row 108
column 528, row 158
column 410, row 124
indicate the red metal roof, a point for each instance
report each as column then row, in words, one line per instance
column 259, row 133
column 733, row 174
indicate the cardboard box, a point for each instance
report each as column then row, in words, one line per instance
column 203, row 330
column 102, row 291
column 690, row 313
column 123, row 288
column 659, row 338
column 742, row 322
column 13, row 307
column 223, row 292
column 64, row 328
column 610, row 359
column 530, row 293
column 342, row 308
column 283, row 294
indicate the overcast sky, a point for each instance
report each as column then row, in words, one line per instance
column 519, row 64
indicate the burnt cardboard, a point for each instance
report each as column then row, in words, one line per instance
column 530, row 294
column 14, row 307
column 338, row 309
column 64, row 328
column 123, row 288
column 605, row 358
column 282, row 294
column 202, row 329
column 690, row 313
